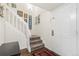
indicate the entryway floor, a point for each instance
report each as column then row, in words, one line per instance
column 44, row 52
column 40, row 52
column 24, row 52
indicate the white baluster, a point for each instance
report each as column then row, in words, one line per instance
column 22, row 26
column 18, row 26
column 14, row 20
column 10, row 18
column 7, row 15
column 23, row 29
column 19, row 23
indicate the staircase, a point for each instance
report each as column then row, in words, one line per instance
column 36, row 43
column 10, row 17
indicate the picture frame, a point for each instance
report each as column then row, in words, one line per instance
column 13, row 5
column 25, row 20
column 1, row 11
column 37, row 19
column 36, row 22
column 52, row 32
column 30, row 22
column 20, row 13
column 25, row 15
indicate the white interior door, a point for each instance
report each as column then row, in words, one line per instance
column 65, row 30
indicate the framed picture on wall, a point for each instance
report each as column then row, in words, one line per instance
column 30, row 22
column 1, row 11
column 52, row 32
column 20, row 13
column 13, row 5
column 25, row 17
column 37, row 19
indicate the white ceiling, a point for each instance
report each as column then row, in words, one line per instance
column 47, row 6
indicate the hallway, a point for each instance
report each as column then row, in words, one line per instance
column 55, row 26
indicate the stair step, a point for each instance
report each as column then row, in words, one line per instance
column 36, row 45
column 36, row 48
column 35, row 41
column 34, row 37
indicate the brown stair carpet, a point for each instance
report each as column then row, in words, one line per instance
column 36, row 43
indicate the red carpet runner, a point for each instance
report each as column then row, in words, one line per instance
column 44, row 52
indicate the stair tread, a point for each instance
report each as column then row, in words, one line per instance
column 35, row 40
column 33, row 49
column 36, row 45
column 34, row 36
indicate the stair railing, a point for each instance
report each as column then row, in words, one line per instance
column 16, row 21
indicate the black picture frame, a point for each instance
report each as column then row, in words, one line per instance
column 20, row 13
column 1, row 11
column 30, row 22
column 13, row 5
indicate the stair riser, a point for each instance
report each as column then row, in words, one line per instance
column 33, row 49
column 37, row 46
column 35, row 38
column 36, row 42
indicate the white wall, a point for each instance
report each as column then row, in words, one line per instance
column 64, row 41
column 35, row 12
column 64, row 25
column 77, row 29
